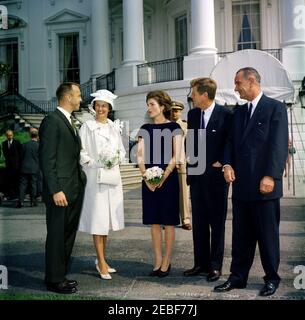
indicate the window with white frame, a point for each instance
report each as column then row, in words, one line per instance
column 246, row 24
column 69, row 58
column 9, row 56
column 181, row 35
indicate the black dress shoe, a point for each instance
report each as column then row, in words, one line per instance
column 162, row 274
column 228, row 286
column 61, row 287
column 268, row 289
column 71, row 283
column 19, row 205
column 195, row 271
column 154, row 273
column 213, row 275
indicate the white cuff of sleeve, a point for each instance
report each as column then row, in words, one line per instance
column 225, row 165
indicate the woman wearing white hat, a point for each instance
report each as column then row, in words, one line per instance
column 102, row 151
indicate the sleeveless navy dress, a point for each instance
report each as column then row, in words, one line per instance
column 162, row 205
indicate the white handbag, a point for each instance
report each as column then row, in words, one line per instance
column 109, row 176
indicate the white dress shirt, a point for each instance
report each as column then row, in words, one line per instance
column 207, row 114
column 66, row 113
column 254, row 103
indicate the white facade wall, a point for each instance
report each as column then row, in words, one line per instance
column 47, row 19
column 38, row 42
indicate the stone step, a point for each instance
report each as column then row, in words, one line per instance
column 131, row 182
column 29, row 119
column 129, row 169
column 130, row 175
column 32, row 115
column 135, row 175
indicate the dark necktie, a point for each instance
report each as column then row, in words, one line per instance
column 202, row 124
column 248, row 114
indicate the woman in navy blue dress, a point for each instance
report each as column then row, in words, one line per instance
column 158, row 146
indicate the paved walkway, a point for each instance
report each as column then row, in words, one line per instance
column 22, row 235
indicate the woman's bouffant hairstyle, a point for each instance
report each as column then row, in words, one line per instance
column 163, row 99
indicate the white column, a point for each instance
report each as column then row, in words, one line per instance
column 34, row 72
column 203, row 52
column 203, row 27
column 133, row 31
column 100, row 38
column 293, row 37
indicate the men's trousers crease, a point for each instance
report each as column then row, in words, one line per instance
column 209, row 208
column 62, row 225
column 255, row 222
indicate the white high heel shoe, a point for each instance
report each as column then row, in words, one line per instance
column 110, row 270
column 103, row 276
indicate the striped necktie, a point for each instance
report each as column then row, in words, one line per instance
column 73, row 124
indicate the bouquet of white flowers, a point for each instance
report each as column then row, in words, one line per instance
column 109, row 158
column 153, row 175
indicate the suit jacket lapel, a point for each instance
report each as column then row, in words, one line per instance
column 67, row 123
column 252, row 120
column 214, row 118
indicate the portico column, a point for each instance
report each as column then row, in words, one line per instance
column 100, row 38
column 203, row 27
column 133, row 32
column 203, row 52
column 293, row 37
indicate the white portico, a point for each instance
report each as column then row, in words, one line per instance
column 203, row 42
column 293, row 37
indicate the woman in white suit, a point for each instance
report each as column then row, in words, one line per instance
column 103, row 208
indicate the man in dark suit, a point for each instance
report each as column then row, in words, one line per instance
column 254, row 161
column 209, row 190
column 29, row 169
column 63, row 185
column 12, row 153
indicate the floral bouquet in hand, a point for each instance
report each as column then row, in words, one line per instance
column 109, row 158
column 153, row 175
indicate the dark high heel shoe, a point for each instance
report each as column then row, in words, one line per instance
column 155, row 273
column 162, row 274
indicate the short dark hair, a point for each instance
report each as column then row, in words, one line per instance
column 205, row 85
column 250, row 71
column 65, row 88
column 163, row 99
